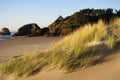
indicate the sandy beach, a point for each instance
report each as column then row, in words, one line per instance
column 17, row 46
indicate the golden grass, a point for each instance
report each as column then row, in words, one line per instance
column 79, row 49
column 114, row 27
column 115, row 21
column 74, row 51
column 25, row 65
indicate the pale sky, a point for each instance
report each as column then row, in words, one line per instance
column 16, row 13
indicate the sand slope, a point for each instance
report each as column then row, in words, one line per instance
column 109, row 69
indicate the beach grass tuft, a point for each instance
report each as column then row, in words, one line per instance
column 25, row 65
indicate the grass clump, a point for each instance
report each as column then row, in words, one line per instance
column 114, row 28
column 26, row 65
column 79, row 49
column 111, row 42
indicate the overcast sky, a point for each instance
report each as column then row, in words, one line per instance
column 16, row 13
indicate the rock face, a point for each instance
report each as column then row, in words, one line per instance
column 5, row 31
column 65, row 26
column 29, row 30
column 45, row 31
column 61, row 26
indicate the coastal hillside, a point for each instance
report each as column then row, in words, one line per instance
column 64, row 26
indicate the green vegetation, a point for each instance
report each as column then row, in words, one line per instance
column 64, row 26
column 79, row 49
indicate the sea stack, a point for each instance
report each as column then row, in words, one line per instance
column 5, row 31
column 29, row 30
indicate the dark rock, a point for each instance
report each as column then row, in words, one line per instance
column 44, row 31
column 29, row 30
column 5, row 31
column 54, row 27
column 61, row 26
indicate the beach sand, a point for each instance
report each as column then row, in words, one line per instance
column 17, row 46
column 109, row 69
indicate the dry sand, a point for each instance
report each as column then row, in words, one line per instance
column 17, row 46
column 109, row 69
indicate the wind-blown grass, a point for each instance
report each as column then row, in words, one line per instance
column 79, row 49
column 114, row 27
column 25, row 65
column 76, row 50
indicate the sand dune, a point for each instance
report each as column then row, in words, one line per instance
column 109, row 69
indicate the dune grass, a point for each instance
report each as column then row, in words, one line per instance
column 79, row 49
column 114, row 27
column 25, row 65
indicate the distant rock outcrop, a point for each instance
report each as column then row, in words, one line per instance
column 29, row 30
column 61, row 26
column 64, row 26
column 5, row 31
column 44, row 31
